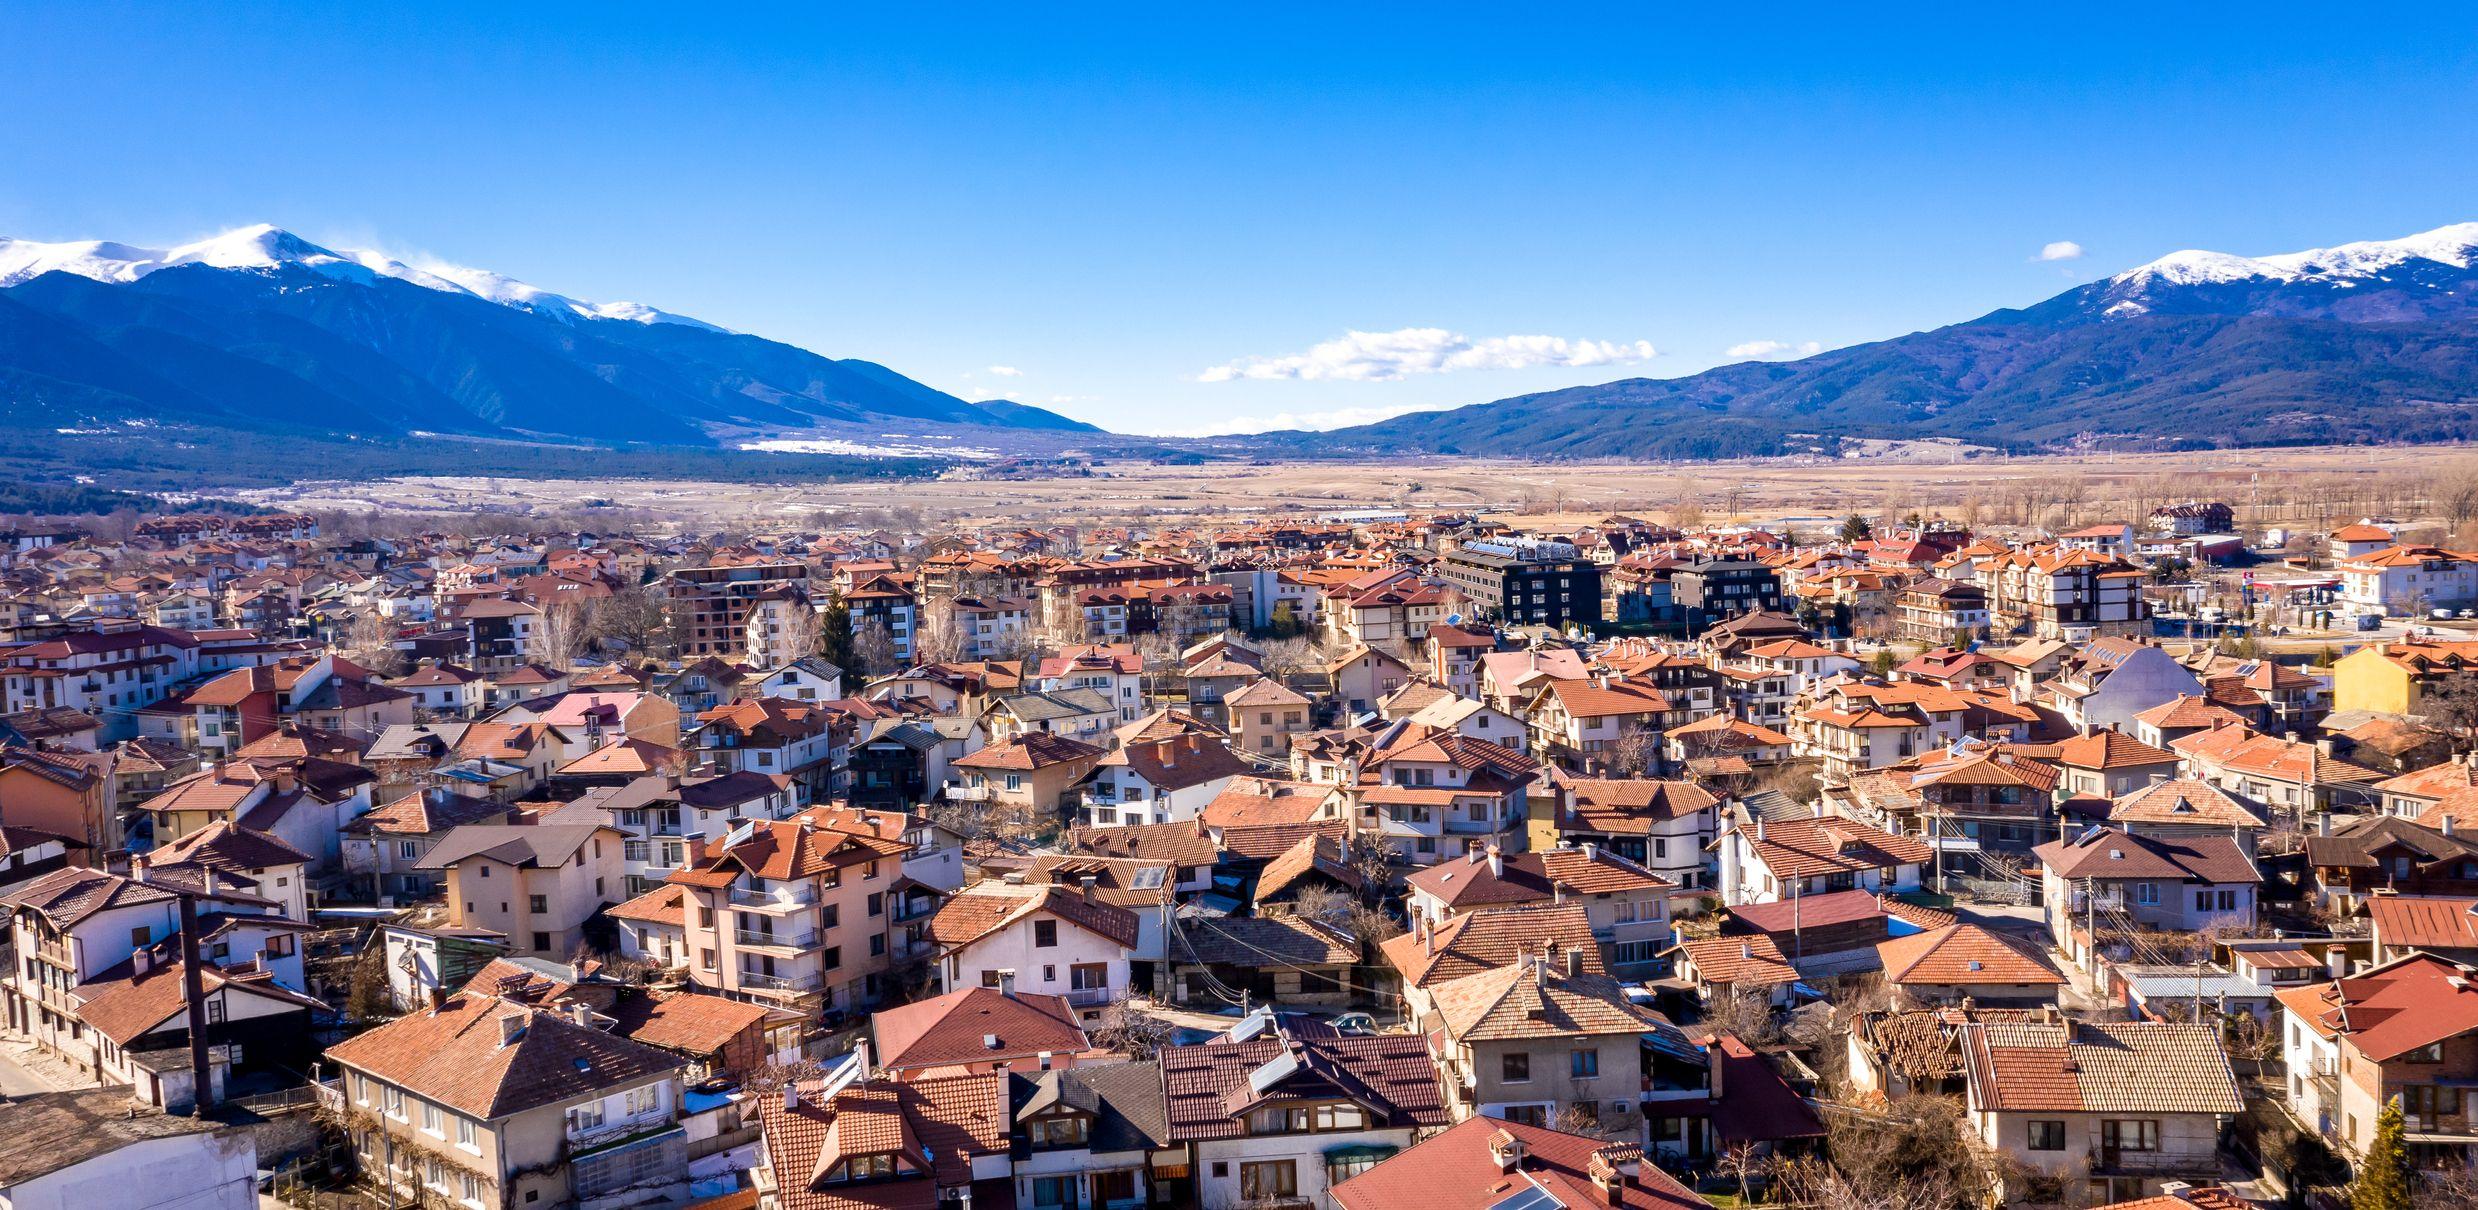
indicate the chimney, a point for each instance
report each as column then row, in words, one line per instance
column 989, row 1041
column 1759, row 827
column 582, row 1014
column 143, row 960
column 2336, row 962
column 1574, row 962
column 1540, row 968
column 1591, row 851
column 438, row 997
column 1497, row 863
column 1507, row 1150
column 1471, row 856
column 2447, row 823
column 1006, row 984
column 1087, row 882
column 791, row 1095
column 511, row 1028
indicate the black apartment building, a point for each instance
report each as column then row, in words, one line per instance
column 1523, row 582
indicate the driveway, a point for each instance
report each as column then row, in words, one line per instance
column 16, row 1081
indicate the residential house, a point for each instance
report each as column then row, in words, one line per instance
column 1278, row 1113
column 1540, row 1040
column 979, row 1029
column 792, row 913
column 537, row 885
column 1473, row 1165
column 2120, row 1108
column 1046, row 939
column 489, row 1101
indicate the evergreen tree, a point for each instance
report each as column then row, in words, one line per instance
column 834, row 635
column 2384, row 1173
column 1854, row 527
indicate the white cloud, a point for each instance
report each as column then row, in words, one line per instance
column 2063, row 249
column 1315, row 422
column 1387, row 356
column 1006, row 371
column 1758, row 350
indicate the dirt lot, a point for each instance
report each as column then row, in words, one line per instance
column 2303, row 482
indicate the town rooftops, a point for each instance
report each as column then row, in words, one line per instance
column 540, row 846
column 1212, row 1085
column 1964, row 955
column 1489, row 939
column 2184, row 801
column 52, row 1131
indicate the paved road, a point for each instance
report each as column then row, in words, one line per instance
column 15, row 1082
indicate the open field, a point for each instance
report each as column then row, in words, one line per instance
column 2299, row 485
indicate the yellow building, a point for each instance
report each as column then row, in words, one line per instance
column 2392, row 678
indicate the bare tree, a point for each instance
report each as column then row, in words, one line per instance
column 1635, row 752
column 873, row 647
column 1743, row 1014
column 632, row 618
column 370, row 642
column 560, row 634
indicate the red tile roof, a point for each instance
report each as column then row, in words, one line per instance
column 1458, row 1170
column 957, row 1027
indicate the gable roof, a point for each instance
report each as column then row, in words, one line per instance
column 455, row 1055
column 2099, row 1067
column 955, row 1028
column 1458, row 1170
column 1488, row 939
column 1962, row 955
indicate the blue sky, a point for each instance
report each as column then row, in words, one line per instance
column 1157, row 215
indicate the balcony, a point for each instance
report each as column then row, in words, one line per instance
column 781, row 985
column 970, row 793
column 784, row 941
column 1474, row 827
column 789, row 899
column 1090, row 997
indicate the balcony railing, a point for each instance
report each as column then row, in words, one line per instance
column 1089, row 997
column 795, row 941
column 969, row 794
column 791, row 985
column 788, row 899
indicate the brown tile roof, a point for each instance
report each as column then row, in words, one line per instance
column 67, row 896
column 225, row 845
column 1805, row 847
column 1323, row 854
column 2184, row 800
column 2099, row 1067
column 1186, row 844
column 1458, row 1170
column 125, row 1005
column 956, row 1028
column 1177, row 764
column 1210, row 1085
column 943, row 1125
column 2111, row 853
column 1631, row 806
column 684, row 1022
column 665, row 904
column 430, row 811
column 2401, row 1006
column 1266, row 842
column 1752, row 960
column 1030, row 750
column 1255, row 801
column 1535, row 998
column 1964, row 955
column 455, row 1055
column 1488, row 939
column 985, row 907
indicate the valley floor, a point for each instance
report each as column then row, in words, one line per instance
column 1795, row 491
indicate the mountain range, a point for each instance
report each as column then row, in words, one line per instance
column 2364, row 342
column 259, row 330
column 258, row 344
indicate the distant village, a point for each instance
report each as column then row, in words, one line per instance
column 1370, row 860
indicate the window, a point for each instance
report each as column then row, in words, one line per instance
column 537, row 904
column 392, row 1101
column 2139, row 1134
column 877, row 903
column 1263, row 1179
column 2047, row 1136
column 1056, row 1132
column 644, row 1100
column 831, row 957
column 407, row 850
column 1045, row 933
column 541, row 942
column 1514, row 1067
column 137, row 936
column 1053, row 1191
column 430, row 1122
column 830, row 916
column 464, row 1135
column 1584, row 1064
column 585, row 1117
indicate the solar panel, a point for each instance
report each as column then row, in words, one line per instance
column 1529, row 1197
column 1281, row 1067
column 1252, row 1025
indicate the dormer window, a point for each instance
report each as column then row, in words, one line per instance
column 1066, row 1130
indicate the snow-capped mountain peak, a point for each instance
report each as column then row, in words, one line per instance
column 264, row 247
column 2456, row 245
